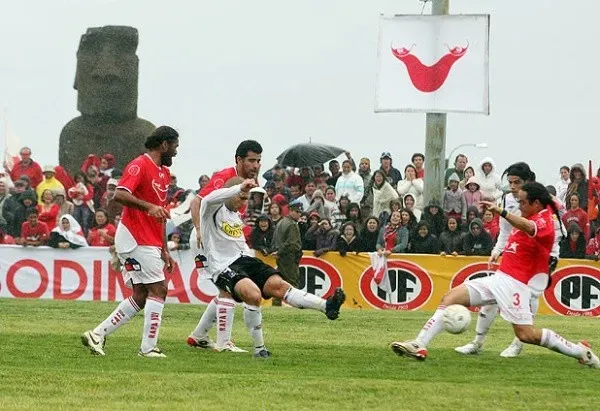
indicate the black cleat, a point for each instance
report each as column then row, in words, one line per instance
column 264, row 353
column 333, row 304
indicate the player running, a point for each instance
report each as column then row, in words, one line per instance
column 517, row 174
column 247, row 159
column 141, row 243
column 242, row 277
column 526, row 254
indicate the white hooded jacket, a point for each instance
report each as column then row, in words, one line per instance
column 490, row 185
column 350, row 184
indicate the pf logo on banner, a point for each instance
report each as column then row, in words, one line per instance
column 472, row 272
column 410, row 286
column 318, row 277
column 575, row 291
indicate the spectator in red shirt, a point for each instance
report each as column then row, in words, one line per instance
column 102, row 233
column 33, row 232
column 27, row 167
column 576, row 214
column 48, row 210
column 418, row 160
column 5, row 238
column 491, row 224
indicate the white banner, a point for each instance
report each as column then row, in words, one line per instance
column 85, row 274
column 434, row 64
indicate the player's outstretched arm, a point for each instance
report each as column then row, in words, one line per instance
column 516, row 221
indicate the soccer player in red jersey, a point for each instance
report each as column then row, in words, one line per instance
column 247, row 159
column 141, row 243
column 526, row 254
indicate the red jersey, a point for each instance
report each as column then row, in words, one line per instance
column 218, row 180
column 148, row 182
column 38, row 233
column 526, row 256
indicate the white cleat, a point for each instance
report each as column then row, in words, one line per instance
column 513, row 350
column 471, row 348
column 411, row 349
column 154, row 353
column 229, row 347
column 589, row 358
column 94, row 342
column 196, row 342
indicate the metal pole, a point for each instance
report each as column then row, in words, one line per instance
column 435, row 137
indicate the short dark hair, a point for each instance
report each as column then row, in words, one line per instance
column 159, row 135
column 246, row 146
column 551, row 190
column 347, row 161
column 459, row 156
column 412, row 159
column 536, row 191
column 32, row 211
column 521, row 170
column 566, row 168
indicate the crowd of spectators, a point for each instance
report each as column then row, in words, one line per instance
column 346, row 209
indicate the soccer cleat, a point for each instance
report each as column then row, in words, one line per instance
column 229, row 347
column 410, row 349
column 262, row 353
column 513, row 350
column 200, row 342
column 154, row 353
column 471, row 348
column 589, row 358
column 94, row 342
column 333, row 304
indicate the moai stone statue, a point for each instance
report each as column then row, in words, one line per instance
column 107, row 84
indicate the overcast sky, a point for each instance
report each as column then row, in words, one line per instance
column 282, row 71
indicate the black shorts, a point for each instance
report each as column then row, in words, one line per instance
column 245, row 267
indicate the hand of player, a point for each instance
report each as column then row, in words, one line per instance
column 169, row 262
column 248, row 184
column 491, row 206
column 493, row 259
column 158, row 212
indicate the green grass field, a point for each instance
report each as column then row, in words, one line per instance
column 316, row 364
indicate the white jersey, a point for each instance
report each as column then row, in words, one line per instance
column 222, row 231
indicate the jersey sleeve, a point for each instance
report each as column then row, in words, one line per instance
column 544, row 228
column 132, row 176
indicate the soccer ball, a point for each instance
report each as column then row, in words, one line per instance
column 456, row 319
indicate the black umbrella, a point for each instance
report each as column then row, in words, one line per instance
column 308, row 155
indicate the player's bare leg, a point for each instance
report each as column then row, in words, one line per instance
column 128, row 308
column 551, row 340
column 279, row 288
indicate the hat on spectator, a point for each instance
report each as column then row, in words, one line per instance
column 314, row 214
column 59, row 191
column 385, row 154
column 112, row 181
column 48, row 169
column 263, row 217
column 296, row 206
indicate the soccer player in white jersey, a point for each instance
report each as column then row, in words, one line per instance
column 526, row 255
column 242, row 277
column 141, row 244
column 517, row 174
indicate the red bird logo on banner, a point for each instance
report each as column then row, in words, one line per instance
column 429, row 78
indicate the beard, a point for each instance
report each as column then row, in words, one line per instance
column 166, row 159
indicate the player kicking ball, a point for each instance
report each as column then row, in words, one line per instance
column 140, row 243
column 526, row 254
column 240, row 276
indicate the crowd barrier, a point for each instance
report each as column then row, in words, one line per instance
column 417, row 282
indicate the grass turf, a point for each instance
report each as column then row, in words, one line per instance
column 316, row 364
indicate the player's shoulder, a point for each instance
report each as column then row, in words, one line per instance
column 135, row 166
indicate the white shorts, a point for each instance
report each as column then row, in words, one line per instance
column 142, row 265
column 538, row 284
column 512, row 297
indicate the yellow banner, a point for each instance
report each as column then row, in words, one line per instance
column 418, row 282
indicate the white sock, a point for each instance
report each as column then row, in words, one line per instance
column 301, row 299
column 432, row 327
column 486, row 317
column 253, row 320
column 225, row 311
column 152, row 319
column 124, row 311
column 555, row 342
column 207, row 321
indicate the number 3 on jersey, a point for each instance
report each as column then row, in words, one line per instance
column 516, row 299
